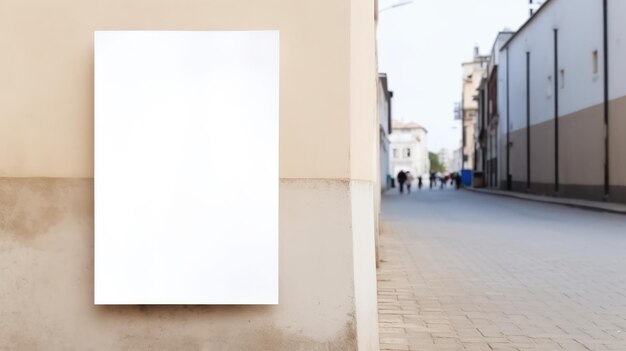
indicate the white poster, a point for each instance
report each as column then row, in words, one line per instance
column 186, row 167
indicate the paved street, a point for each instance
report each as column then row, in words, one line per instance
column 468, row 271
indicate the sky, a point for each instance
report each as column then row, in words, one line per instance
column 421, row 47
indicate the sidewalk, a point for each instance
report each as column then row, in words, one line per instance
column 584, row 204
column 401, row 326
column 531, row 277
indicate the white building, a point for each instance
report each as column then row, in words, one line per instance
column 562, row 131
column 409, row 149
column 534, row 5
column 445, row 159
column 384, row 118
column 457, row 160
column 489, row 115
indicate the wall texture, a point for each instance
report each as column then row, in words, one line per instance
column 579, row 86
column 617, row 144
column 617, row 93
column 47, row 68
column 46, row 267
column 327, row 92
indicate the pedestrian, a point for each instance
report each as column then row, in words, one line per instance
column 457, row 181
column 401, row 179
column 419, row 182
column 432, row 179
column 409, row 181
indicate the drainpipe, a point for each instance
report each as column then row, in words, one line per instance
column 528, row 120
column 607, row 183
column 509, row 184
column 556, row 111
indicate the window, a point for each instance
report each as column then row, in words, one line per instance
column 407, row 153
column 595, row 62
column 395, row 153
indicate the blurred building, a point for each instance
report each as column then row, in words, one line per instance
column 457, row 160
column 384, row 120
column 445, row 159
column 489, row 116
column 562, row 102
column 473, row 72
column 409, row 148
column 457, row 151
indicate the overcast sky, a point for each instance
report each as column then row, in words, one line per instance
column 421, row 47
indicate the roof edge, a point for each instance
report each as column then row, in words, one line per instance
column 528, row 21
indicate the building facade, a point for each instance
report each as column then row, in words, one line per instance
column 457, row 160
column 534, row 5
column 409, row 149
column 473, row 72
column 445, row 158
column 565, row 102
column 327, row 92
column 384, row 115
column 489, row 115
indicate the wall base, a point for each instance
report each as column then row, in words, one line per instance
column 46, row 269
column 573, row 191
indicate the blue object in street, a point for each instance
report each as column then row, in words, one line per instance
column 466, row 177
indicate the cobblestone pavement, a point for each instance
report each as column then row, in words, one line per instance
column 470, row 271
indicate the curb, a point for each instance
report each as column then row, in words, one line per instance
column 599, row 207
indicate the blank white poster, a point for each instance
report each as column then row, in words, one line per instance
column 186, row 167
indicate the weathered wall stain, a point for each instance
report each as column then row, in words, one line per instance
column 46, row 279
column 172, row 343
column 29, row 207
column 268, row 338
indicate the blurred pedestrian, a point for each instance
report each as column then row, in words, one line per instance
column 419, row 182
column 409, row 181
column 401, row 179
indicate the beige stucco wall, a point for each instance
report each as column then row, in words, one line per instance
column 46, row 90
column 581, row 147
column 542, row 150
column 46, row 268
column 518, row 155
column 363, row 80
column 469, row 124
column 581, row 154
column 327, row 126
column 617, row 141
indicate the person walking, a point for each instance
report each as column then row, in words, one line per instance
column 419, row 182
column 432, row 179
column 401, row 179
column 409, row 181
column 457, row 181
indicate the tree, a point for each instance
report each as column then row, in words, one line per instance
column 435, row 165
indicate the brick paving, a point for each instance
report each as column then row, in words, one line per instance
column 468, row 271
